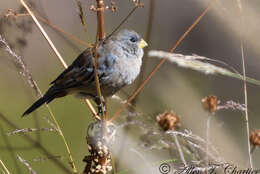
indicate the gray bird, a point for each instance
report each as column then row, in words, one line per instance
column 119, row 63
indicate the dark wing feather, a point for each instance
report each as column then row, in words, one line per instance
column 80, row 69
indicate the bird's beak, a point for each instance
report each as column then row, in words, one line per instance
column 142, row 43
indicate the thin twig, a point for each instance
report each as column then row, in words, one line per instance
column 162, row 61
column 179, row 149
column 27, row 165
column 5, row 168
column 99, row 36
column 81, row 16
column 100, row 19
column 244, row 81
column 208, row 139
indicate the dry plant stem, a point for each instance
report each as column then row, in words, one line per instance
column 100, row 16
column 44, row 33
column 100, row 36
column 244, row 83
column 65, row 65
column 208, row 139
column 81, row 16
column 97, row 82
column 179, row 150
column 162, row 61
column 4, row 167
column 27, row 165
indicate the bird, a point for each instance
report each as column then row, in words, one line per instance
column 119, row 60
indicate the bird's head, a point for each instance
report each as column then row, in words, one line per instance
column 130, row 41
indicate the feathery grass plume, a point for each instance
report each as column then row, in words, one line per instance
column 200, row 144
column 27, row 130
column 27, row 165
column 232, row 105
column 22, row 66
column 196, row 63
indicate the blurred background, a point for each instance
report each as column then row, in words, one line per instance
column 217, row 36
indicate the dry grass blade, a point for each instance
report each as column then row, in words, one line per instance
column 26, row 164
column 179, row 149
column 244, row 81
column 5, row 170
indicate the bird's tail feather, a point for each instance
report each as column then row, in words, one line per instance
column 52, row 93
column 38, row 103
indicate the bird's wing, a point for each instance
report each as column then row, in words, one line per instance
column 80, row 70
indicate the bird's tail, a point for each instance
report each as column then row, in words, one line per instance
column 47, row 98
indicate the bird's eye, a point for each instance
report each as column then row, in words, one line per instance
column 133, row 39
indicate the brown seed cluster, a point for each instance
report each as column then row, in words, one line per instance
column 210, row 103
column 168, row 121
column 255, row 137
column 99, row 160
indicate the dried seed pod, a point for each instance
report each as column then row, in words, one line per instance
column 210, row 103
column 99, row 160
column 168, row 121
column 255, row 137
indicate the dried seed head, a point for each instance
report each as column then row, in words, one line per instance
column 168, row 120
column 255, row 137
column 98, row 166
column 210, row 103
